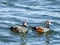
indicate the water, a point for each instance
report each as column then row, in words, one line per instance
column 35, row 12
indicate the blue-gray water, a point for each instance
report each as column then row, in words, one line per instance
column 35, row 12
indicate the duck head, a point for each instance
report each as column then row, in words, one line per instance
column 47, row 23
column 24, row 24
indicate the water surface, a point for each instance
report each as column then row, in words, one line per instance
column 35, row 12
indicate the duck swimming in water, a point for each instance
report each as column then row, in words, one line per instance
column 22, row 28
column 43, row 29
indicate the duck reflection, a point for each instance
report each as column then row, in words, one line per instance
column 23, row 39
column 47, row 39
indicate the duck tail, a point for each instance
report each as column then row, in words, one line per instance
column 34, row 28
column 11, row 28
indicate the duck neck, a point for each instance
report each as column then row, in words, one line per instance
column 47, row 25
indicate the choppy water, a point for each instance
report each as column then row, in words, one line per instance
column 35, row 12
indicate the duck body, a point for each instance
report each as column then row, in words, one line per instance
column 21, row 29
column 40, row 29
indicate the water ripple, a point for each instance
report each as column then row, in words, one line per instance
column 35, row 12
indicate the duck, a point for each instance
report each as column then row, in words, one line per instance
column 20, row 28
column 41, row 29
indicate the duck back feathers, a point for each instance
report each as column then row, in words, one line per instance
column 19, row 29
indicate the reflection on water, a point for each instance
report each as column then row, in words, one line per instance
column 23, row 38
column 47, row 39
